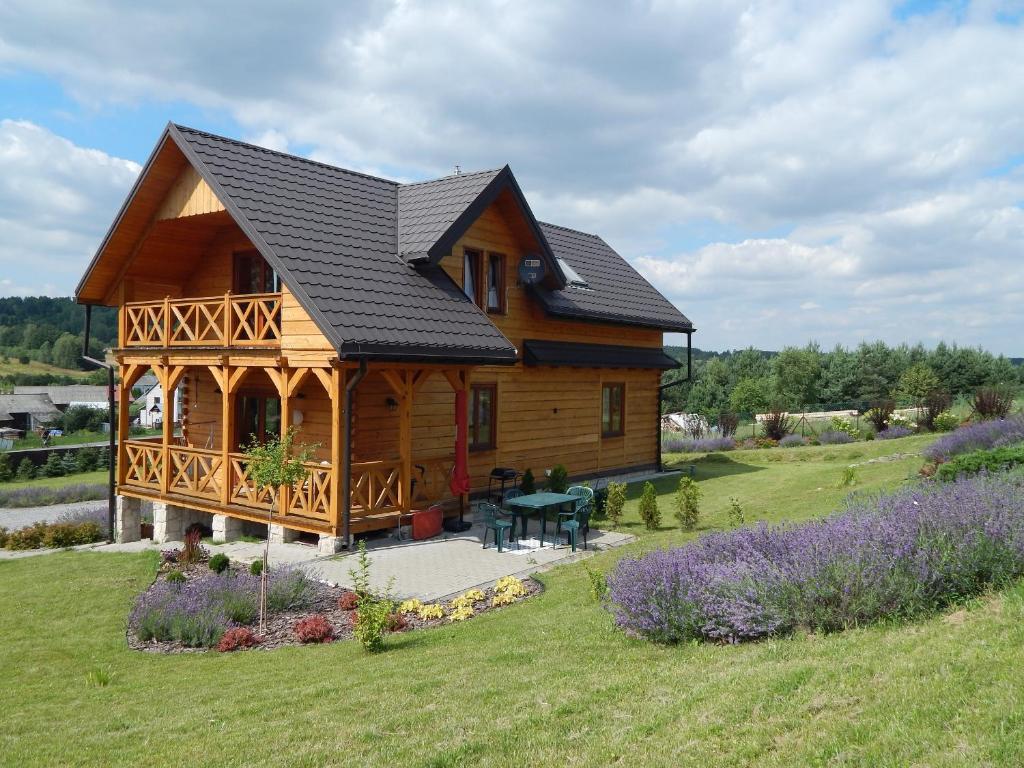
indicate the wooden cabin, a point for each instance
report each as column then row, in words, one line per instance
column 271, row 290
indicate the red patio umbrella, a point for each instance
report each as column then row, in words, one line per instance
column 459, row 482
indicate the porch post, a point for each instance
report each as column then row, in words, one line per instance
column 281, row 381
column 125, row 396
column 405, row 441
column 336, row 450
column 227, row 429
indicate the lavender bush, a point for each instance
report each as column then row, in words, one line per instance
column 893, row 432
column 973, row 437
column 41, row 496
column 790, row 441
column 197, row 612
column 889, row 556
column 704, row 445
column 832, row 437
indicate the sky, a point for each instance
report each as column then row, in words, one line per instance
column 783, row 171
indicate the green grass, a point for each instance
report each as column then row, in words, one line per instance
column 12, row 366
column 547, row 682
column 99, row 476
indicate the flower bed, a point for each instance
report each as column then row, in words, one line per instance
column 64, row 533
column 702, row 445
column 194, row 609
column 892, row 556
column 978, row 436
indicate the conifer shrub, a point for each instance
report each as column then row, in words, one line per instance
column 649, row 511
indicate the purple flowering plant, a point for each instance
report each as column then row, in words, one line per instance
column 835, row 437
column 891, row 433
column 977, row 436
column 885, row 556
column 702, row 445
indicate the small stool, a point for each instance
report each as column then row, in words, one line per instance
column 500, row 527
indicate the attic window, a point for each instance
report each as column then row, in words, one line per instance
column 572, row 276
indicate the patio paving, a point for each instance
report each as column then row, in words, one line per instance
column 442, row 567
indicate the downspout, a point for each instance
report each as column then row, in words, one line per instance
column 346, row 455
column 663, row 387
column 111, row 498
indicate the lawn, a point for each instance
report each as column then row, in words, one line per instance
column 547, row 682
column 12, row 367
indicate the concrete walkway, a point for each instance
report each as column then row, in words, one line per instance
column 19, row 517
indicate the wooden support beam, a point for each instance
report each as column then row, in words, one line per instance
column 326, row 379
column 227, row 434
column 337, row 435
column 298, row 376
column 124, row 398
column 396, row 380
column 168, row 431
column 280, row 379
column 421, row 378
column 405, row 439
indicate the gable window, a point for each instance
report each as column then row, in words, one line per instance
column 613, row 406
column 483, row 279
column 252, row 274
column 482, row 416
column 495, row 283
column 471, row 275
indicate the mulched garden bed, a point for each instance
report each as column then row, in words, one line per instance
column 323, row 599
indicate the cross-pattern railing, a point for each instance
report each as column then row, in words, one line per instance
column 312, row 497
column 375, row 486
column 430, row 479
column 195, row 472
column 245, row 320
column 243, row 490
column 144, row 463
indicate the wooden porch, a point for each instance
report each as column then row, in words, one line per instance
column 180, row 469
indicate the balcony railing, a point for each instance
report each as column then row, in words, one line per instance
column 246, row 320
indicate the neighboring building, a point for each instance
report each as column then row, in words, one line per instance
column 152, row 406
column 419, row 335
column 70, row 395
column 27, row 412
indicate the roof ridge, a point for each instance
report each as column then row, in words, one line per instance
column 490, row 171
column 569, row 229
column 289, row 155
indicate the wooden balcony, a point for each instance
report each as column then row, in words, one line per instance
column 245, row 320
column 200, row 474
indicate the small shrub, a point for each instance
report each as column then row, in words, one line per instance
column 765, row 442
column 256, row 567
column 899, row 420
column 510, row 585
column 26, row 470
column 53, row 467
column 558, row 480
column 973, row 437
column 649, row 511
column 86, row 459
column 735, row 513
column 600, row 511
column 991, row 460
column 946, row 421
column 176, row 577
column 935, row 402
column 528, row 485
column 289, row 589
column 430, row 611
column 219, row 563
column 880, row 413
column 193, row 551
column 502, row 598
column 835, row 438
column 236, row 639
column 792, row 441
column 728, row 422
column 53, row 535
column 6, row 473
column 371, row 622
column 98, row 677
column 598, row 584
column 841, row 424
column 993, row 402
column 616, row 503
column 348, row 601
column 891, row 433
column 397, row 622
column 688, row 498
column 703, row 445
column 848, row 478
column 314, row 629
column 360, row 575
column 776, row 424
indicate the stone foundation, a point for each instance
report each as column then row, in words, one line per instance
column 281, row 535
column 226, row 528
column 128, row 521
column 330, row 545
column 171, row 520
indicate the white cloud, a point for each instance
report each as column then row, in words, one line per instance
column 56, row 202
column 752, row 158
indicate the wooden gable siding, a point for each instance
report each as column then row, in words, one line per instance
column 190, row 195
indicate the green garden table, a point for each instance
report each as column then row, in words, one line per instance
column 538, row 502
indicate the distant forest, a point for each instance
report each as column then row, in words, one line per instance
column 809, row 378
column 49, row 330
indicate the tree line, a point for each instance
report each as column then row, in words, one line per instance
column 801, row 378
column 49, row 330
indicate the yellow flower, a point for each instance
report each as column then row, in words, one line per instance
column 431, row 611
column 461, row 614
column 410, row 606
column 510, row 585
column 502, row 598
column 474, row 595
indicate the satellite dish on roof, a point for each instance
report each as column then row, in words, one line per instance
column 531, row 269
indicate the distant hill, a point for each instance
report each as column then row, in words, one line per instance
column 61, row 314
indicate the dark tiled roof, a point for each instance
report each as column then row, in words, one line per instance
column 333, row 234
column 426, row 210
column 617, row 292
column 38, row 405
column 576, row 355
column 345, row 243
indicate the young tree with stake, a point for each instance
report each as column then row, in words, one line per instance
column 273, row 465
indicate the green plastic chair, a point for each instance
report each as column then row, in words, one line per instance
column 514, row 493
column 490, row 516
column 580, row 523
column 584, row 497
